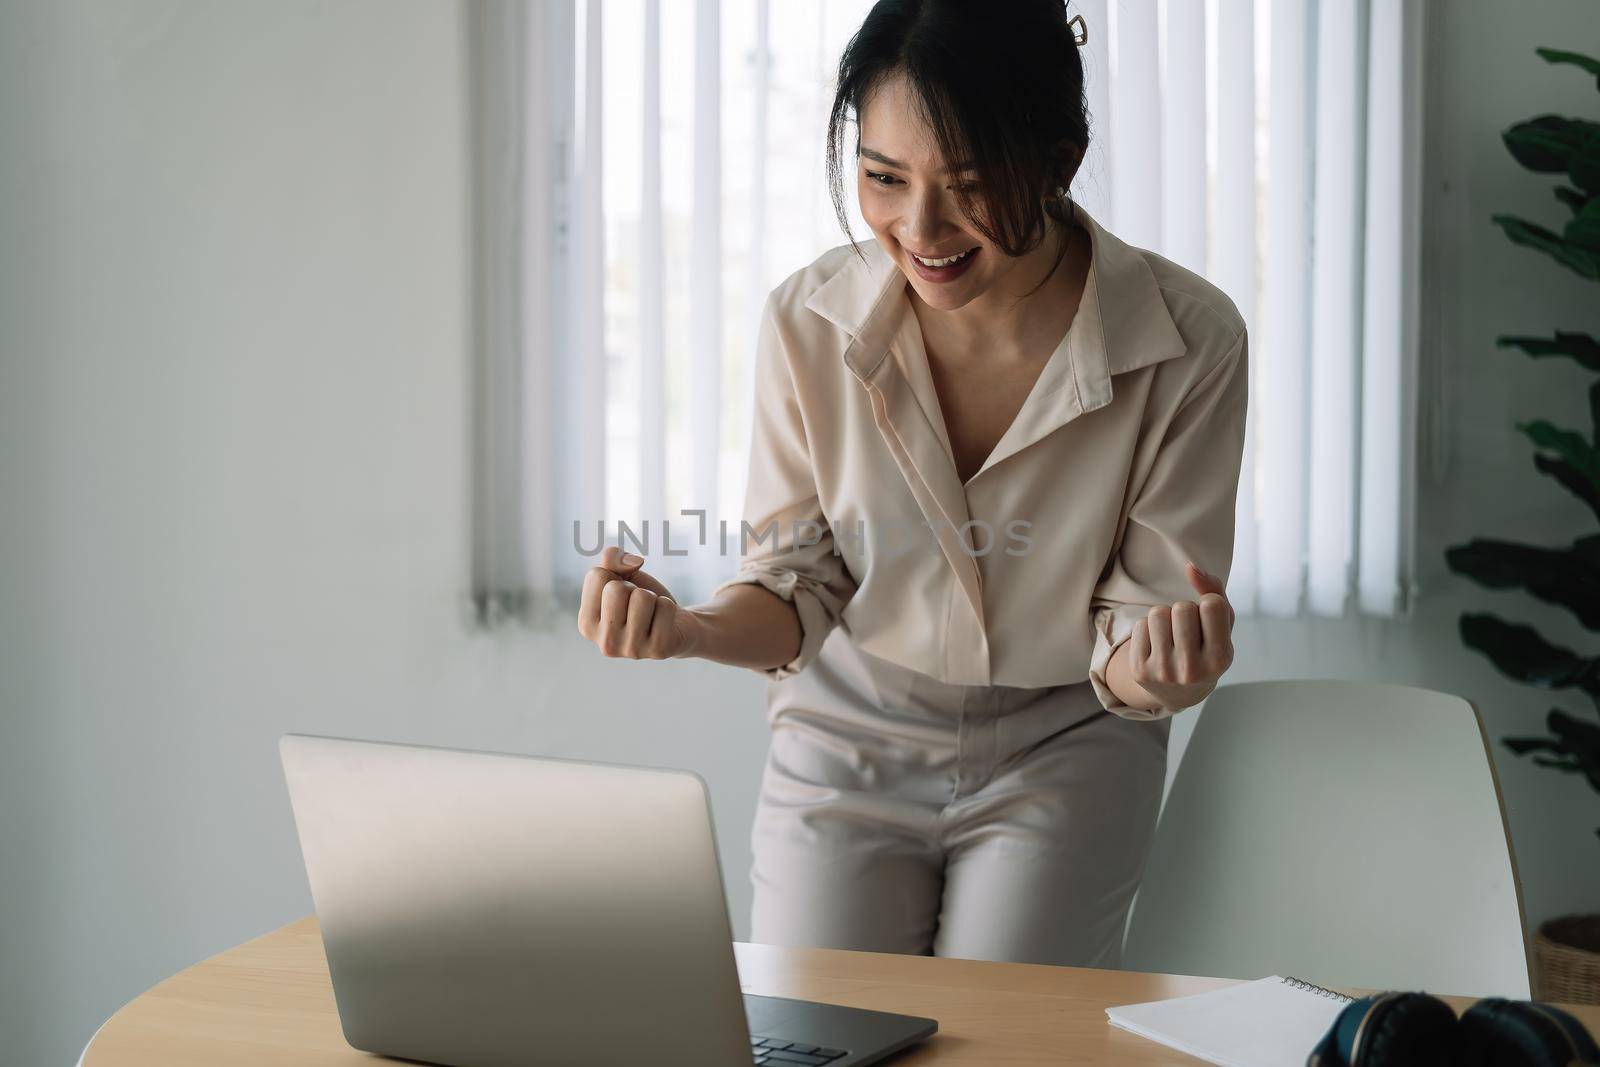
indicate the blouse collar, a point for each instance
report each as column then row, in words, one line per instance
column 1122, row 324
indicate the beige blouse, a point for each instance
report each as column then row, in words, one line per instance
column 1122, row 462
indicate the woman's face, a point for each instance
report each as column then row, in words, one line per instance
column 907, row 197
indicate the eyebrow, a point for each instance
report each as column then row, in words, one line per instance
column 875, row 155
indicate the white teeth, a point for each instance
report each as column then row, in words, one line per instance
column 943, row 262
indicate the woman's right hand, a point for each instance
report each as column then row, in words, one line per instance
column 630, row 615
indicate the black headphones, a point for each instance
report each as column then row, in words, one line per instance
column 1417, row 1030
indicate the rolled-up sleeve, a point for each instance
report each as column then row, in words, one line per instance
column 787, row 545
column 1184, row 510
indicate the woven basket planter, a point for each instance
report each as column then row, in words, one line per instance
column 1567, row 954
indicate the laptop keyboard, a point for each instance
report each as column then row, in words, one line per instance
column 779, row 1053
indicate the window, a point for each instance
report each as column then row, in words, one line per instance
column 650, row 169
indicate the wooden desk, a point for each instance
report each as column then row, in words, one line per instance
column 270, row 1001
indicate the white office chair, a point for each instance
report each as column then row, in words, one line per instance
column 1345, row 833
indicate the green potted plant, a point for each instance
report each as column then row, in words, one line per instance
column 1567, row 950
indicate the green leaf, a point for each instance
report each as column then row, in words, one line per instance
column 1584, row 165
column 1573, row 747
column 1574, row 481
column 1588, row 550
column 1578, row 346
column 1584, row 228
column 1579, row 739
column 1573, row 198
column 1524, row 745
column 1519, row 652
column 1569, row 444
column 1532, row 235
column 1560, row 576
column 1555, row 55
column 1546, row 143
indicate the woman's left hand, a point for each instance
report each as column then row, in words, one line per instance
column 1177, row 653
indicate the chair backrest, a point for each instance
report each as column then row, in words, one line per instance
column 1344, row 833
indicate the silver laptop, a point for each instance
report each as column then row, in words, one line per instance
column 481, row 910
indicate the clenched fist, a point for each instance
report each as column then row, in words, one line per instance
column 1178, row 653
column 630, row 615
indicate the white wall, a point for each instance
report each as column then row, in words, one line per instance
column 233, row 471
column 233, row 466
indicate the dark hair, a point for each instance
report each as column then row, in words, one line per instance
column 1001, row 86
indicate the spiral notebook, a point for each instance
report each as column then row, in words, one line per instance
column 1266, row 1023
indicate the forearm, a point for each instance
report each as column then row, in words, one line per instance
column 744, row 626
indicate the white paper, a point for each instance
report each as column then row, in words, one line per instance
column 1266, row 1023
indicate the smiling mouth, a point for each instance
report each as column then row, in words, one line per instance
column 947, row 261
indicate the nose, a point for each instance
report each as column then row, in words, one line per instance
column 926, row 220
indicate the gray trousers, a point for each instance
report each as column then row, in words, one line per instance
column 902, row 814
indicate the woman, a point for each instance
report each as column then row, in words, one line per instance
column 969, row 723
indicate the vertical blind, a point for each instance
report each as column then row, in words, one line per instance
column 669, row 173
